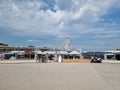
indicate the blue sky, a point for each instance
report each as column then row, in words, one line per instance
column 91, row 24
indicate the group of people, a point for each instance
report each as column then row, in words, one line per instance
column 48, row 58
column 43, row 59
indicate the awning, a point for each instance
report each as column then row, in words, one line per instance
column 74, row 53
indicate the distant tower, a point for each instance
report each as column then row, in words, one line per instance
column 67, row 44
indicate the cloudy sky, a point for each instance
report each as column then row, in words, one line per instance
column 91, row 24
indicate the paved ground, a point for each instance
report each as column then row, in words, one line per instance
column 56, row 76
column 110, row 72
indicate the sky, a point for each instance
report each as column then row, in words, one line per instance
column 93, row 25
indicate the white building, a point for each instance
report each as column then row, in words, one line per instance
column 112, row 55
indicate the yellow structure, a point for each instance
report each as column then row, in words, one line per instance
column 75, row 61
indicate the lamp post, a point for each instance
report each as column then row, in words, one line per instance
column 81, row 57
column 36, row 57
column 56, row 57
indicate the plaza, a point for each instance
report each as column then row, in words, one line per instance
column 59, row 76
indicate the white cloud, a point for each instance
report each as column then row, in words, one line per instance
column 33, row 40
column 72, row 17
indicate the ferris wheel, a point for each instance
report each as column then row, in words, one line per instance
column 67, row 44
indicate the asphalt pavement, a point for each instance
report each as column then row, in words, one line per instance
column 110, row 72
column 55, row 76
